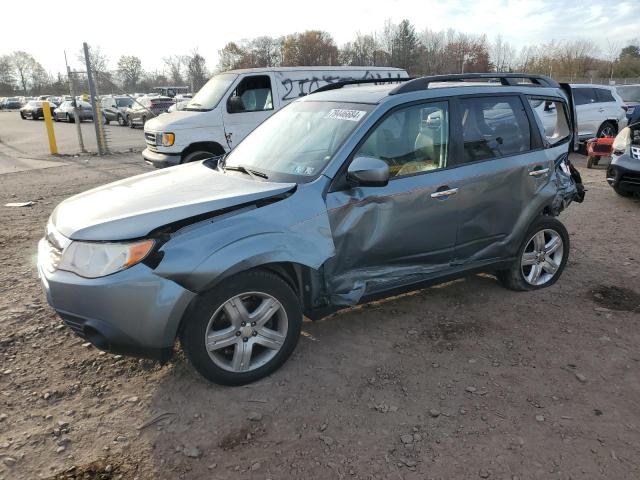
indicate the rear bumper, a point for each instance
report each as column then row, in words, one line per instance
column 133, row 312
column 161, row 160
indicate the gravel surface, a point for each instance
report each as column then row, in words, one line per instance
column 460, row 381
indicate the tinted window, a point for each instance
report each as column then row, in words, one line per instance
column 551, row 119
column 494, row 127
column 254, row 93
column 604, row 95
column 584, row 96
column 630, row 93
column 411, row 140
column 124, row 102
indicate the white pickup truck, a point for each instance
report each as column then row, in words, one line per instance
column 233, row 103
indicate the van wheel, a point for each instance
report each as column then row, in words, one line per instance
column 197, row 155
column 244, row 329
column 607, row 129
column 541, row 258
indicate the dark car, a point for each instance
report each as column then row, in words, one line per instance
column 11, row 103
column 115, row 108
column 344, row 196
column 631, row 97
column 65, row 112
column 623, row 173
column 33, row 110
column 145, row 108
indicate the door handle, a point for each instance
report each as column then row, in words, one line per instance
column 444, row 193
column 539, row 172
column 601, row 110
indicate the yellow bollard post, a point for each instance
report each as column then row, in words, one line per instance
column 48, row 121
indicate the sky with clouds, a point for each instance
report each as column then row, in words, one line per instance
column 155, row 29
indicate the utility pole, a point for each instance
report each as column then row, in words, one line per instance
column 97, row 121
column 76, row 115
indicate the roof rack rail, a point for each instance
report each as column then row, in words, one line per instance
column 336, row 85
column 422, row 83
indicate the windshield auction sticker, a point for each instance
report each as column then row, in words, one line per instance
column 344, row 114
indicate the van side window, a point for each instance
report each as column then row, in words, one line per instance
column 494, row 127
column 551, row 119
column 411, row 140
column 253, row 94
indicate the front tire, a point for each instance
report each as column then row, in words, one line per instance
column 130, row 122
column 197, row 155
column 541, row 257
column 121, row 121
column 244, row 329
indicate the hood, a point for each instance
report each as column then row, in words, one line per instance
column 133, row 207
column 182, row 119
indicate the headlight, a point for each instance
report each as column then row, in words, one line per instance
column 622, row 141
column 93, row 259
column 168, row 139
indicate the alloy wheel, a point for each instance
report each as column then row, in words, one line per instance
column 246, row 332
column 542, row 257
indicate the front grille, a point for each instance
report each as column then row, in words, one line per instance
column 150, row 138
column 630, row 177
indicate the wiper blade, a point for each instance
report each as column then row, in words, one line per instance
column 240, row 168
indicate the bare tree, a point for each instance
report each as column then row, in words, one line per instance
column 98, row 59
column 175, row 65
column 130, row 70
column 23, row 66
column 196, row 70
column 502, row 55
column 611, row 50
column 312, row 47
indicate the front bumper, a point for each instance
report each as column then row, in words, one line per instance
column 132, row 312
column 624, row 173
column 161, row 160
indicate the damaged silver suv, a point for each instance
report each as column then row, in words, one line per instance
column 353, row 193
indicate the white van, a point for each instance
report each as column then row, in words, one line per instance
column 233, row 103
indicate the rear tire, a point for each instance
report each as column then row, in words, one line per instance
column 607, row 129
column 252, row 340
column 590, row 161
column 541, row 257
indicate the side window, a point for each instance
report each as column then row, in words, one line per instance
column 584, row 96
column 253, row 94
column 551, row 119
column 411, row 140
column 604, row 95
column 494, row 127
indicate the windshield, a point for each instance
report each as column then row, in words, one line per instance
column 630, row 94
column 209, row 95
column 123, row 102
column 296, row 143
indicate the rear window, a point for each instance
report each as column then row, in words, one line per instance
column 551, row 118
column 494, row 127
column 604, row 95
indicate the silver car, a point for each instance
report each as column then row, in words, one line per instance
column 347, row 195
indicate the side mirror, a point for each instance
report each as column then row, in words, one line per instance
column 368, row 172
column 235, row 105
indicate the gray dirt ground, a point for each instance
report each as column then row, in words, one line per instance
column 461, row 381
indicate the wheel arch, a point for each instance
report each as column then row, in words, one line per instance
column 213, row 147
